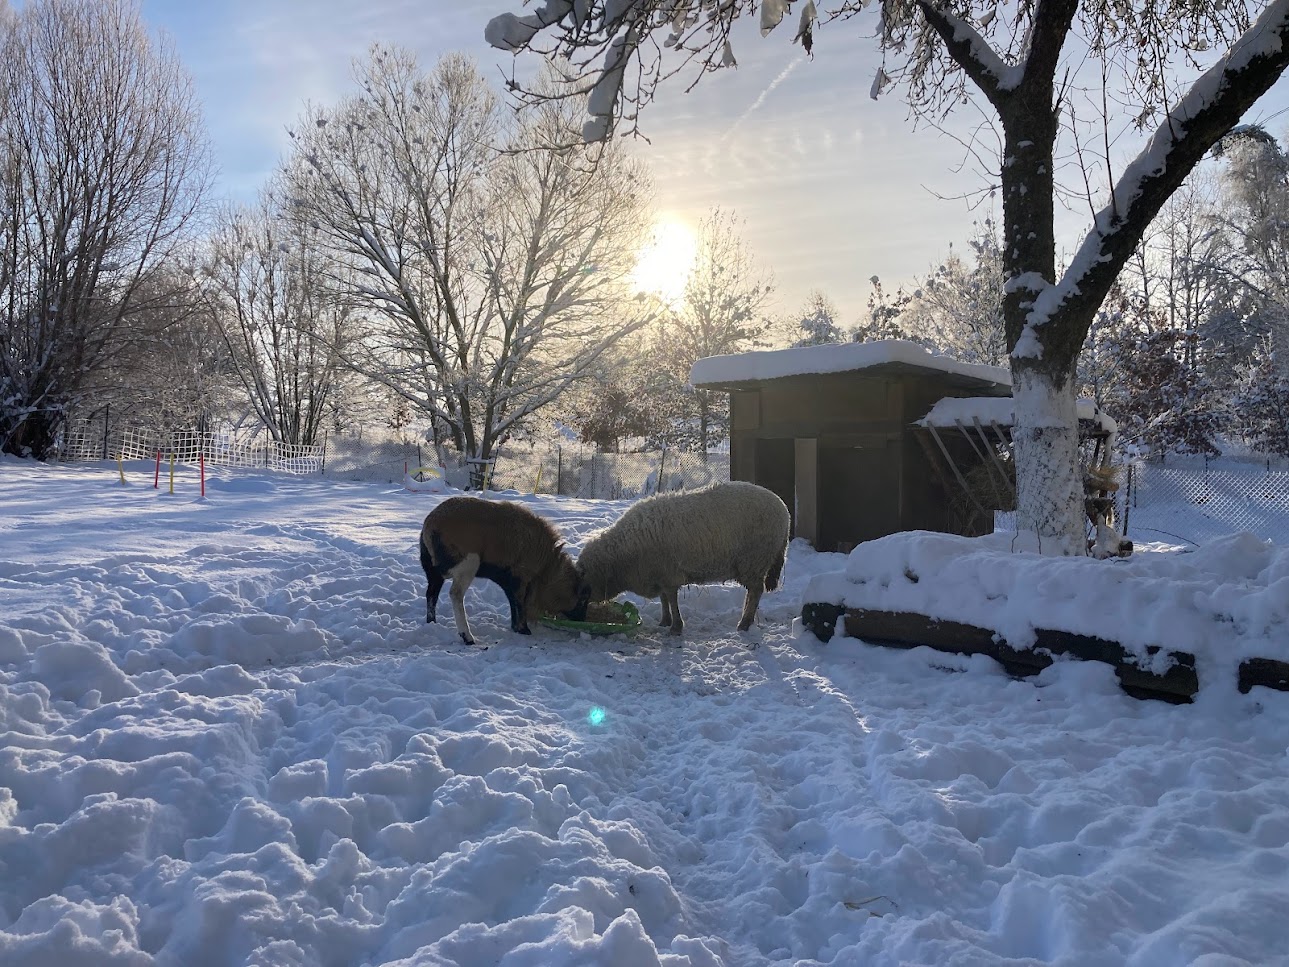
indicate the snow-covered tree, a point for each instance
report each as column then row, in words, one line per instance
column 722, row 311
column 1261, row 401
column 958, row 306
column 619, row 403
column 1097, row 364
column 1025, row 65
column 816, row 324
column 633, row 398
column 170, row 369
column 102, row 163
column 1155, row 383
column 1253, row 214
column 284, row 325
column 491, row 270
column 885, row 315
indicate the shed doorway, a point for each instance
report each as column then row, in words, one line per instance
column 860, row 488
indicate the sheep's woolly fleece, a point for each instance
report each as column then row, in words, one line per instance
column 730, row 532
column 230, row 738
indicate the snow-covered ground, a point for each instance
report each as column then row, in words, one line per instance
column 228, row 737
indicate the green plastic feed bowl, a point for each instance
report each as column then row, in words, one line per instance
column 625, row 620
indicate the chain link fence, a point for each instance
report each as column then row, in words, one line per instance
column 573, row 472
column 1194, row 499
column 375, row 459
column 1178, row 499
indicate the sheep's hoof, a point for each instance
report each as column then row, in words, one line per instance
column 466, row 638
column 525, row 630
column 744, row 625
column 677, row 629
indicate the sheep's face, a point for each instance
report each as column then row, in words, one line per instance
column 598, row 574
column 566, row 595
column 598, row 591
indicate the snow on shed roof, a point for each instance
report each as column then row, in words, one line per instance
column 1000, row 410
column 887, row 354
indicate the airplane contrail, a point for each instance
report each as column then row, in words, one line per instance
column 783, row 76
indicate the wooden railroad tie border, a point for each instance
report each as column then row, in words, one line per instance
column 903, row 629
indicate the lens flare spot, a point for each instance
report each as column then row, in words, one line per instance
column 597, row 715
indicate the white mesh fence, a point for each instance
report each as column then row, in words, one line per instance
column 190, row 447
column 86, row 443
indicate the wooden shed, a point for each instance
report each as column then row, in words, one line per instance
column 830, row 429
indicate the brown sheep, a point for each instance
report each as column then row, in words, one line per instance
column 467, row 537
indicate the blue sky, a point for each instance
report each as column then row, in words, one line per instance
column 834, row 187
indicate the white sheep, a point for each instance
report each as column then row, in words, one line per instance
column 728, row 532
column 467, row 537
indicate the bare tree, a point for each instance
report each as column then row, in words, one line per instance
column 102, row 164
column 172, row 370
column 722, row 311
column 284, row 325
column 492, row 271
column 1023, row 64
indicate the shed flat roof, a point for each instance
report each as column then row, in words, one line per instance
column 746, row 370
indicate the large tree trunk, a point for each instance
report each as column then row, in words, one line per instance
column 1049, row 498
column 1045, row 432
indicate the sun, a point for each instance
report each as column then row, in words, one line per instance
column 666, row 260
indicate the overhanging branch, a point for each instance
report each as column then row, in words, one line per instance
column 1214, row 104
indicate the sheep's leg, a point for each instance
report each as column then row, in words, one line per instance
column 665, row 620
column 672, row 596
column 461, row 576
column 519, row 609
column 514, row 610
column 750, row 601
column 435, row 582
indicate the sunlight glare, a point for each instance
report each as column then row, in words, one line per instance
column 666, row 260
